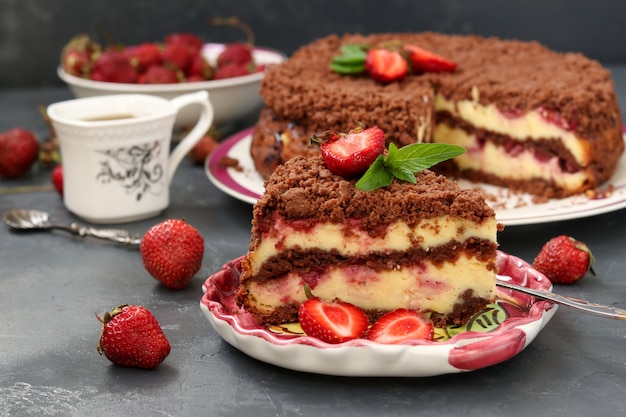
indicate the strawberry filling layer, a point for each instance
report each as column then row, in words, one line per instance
column 444, row 290
column 536, row 125
column 347, row 240
column 509, row 161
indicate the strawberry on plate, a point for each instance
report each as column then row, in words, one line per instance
column 423, row 60
column 385, row 65
column 399, row 326
column 332, row 321
column 131, row 336
column 351, row 154
column 564, row 260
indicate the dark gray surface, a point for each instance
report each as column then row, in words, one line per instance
column 32, row 32
column 53, row 284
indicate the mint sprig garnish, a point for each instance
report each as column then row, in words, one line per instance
column 351, row 60
column 405, row 162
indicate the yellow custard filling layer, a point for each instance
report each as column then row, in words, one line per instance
column 429, row 233
column 421, row 287
column 531, row 125
column 495, row 160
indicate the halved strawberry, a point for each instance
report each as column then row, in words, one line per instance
column 351, row 154
column 385, row 65
column 332, row 321
column 401, row 325
column 423, row 60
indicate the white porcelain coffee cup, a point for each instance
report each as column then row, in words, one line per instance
column 115, row 151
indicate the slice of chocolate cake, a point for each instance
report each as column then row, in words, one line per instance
column 428, row 246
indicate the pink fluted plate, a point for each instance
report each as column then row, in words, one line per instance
column 501, row 331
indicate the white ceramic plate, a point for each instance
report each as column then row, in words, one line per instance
column 497, row 334
column 232, row 98
column 246, row 184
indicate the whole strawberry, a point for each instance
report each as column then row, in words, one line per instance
column 19, row 150
column 235, row 53
column 114, row 67
column 158, row 74
column 131, row 336
column 76, row 56
column 188, row 39
column 172, row 252
column 231, row 71
column 178, row 55
column 205, row 146
column 564, row 260
column 143, row 56
column 57, row 179
column 199, row 69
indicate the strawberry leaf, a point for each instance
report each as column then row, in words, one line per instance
column 405, row 162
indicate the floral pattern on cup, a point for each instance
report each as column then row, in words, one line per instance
column 137, row 168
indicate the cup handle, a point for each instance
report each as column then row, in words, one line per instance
column 199, row 130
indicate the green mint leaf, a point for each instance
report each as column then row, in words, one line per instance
column 347, row 68
column 376, row 176
column 351, row 60
column 420, row 156
column 405, row 162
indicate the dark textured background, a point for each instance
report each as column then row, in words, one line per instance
column 32, row 32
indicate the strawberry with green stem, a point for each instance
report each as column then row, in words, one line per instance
column 564, row 260
column 131, row 336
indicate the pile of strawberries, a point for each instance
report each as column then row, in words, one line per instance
column 178, row 58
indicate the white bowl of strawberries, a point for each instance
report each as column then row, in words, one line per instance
column 231, row 73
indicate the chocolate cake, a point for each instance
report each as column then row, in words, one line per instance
column 531, row 119
column 429, row 246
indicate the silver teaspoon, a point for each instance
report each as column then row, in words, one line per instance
column 28, row 219
column 576, row 303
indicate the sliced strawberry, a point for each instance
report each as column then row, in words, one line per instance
column 401, row 325
column 386, row 66
column 332, row 322
column 351, row 154
column 423, row 60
